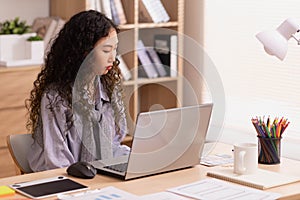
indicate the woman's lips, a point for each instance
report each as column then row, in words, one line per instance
column 108, row 67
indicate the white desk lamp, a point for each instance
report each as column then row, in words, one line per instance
column 276, row 41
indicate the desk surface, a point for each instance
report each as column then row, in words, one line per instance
column 159, row 183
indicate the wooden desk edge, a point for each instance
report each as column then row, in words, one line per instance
column 150, row 184
column 4, row 69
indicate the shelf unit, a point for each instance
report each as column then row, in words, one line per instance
column 141, row 94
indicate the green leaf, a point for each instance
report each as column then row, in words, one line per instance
column 14, row 26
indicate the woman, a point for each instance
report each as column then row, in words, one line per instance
column 76, row 108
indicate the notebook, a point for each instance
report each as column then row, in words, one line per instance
column 163, row 141
column 262, row 179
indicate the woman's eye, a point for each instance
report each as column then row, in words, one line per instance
column 106, row 51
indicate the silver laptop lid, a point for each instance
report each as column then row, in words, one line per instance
column 168, row 139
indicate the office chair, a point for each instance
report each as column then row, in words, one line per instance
column 18, row 146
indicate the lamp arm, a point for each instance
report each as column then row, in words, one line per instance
column 293, row 36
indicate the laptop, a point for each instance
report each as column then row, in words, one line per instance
column 163, row 141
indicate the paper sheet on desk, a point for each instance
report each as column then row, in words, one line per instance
column 162, row 196
column 216, row 159
column 106, row 193
column 213, row 189
column 113, row 193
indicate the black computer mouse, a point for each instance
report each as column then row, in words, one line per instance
column 82, row 170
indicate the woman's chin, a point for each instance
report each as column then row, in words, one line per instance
column 105, row 72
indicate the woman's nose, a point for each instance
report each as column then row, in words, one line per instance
column 112, row 57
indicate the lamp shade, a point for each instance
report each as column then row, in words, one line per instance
column 276, row 42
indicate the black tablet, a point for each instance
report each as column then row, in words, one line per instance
column 48, row 187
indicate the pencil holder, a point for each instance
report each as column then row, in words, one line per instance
column 269, row 150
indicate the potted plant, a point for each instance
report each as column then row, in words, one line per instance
column 13, row 35
column 35, row 48
column 14, row 27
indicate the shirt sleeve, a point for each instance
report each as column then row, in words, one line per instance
column 118, row 149
column 54, row 152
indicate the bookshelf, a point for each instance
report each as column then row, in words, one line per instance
column 141, row 94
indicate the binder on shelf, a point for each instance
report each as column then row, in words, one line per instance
column 114, row 13
column 156, row 10
column 173, row 56
column 160, row 68
column 94, row 5
column 144, row 14
column 166, row 48
column 98, row 6
column 120, row 11
column 147, row 65
column 126, row 74
column 106, row 8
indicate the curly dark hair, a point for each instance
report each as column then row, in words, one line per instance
column 69, row 49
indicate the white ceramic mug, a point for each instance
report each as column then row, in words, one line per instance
column 245, row 158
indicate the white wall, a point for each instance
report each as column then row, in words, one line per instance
column 255, row 83
column 25, row 9
column 227, row 31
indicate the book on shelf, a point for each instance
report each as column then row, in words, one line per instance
column 146, row 63
column 120, row 12
column 166, row 47
column 106, row 8
column 93, row 5
column 159, row 67
column 113, row 9
column 126, row 74
column 114, row 13
column 262, row 179
column 144, row 14
column 98, row 5
column 156, row 10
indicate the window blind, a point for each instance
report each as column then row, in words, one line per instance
column 255, row 83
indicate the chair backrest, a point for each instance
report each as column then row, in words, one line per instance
column 18, row 146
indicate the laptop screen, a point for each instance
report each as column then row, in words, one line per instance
column 168, row 139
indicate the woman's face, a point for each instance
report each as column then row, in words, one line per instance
column 105, row 53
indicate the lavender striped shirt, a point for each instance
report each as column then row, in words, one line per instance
column 53, row 150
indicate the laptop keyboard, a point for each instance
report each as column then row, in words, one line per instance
column 121, row 167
